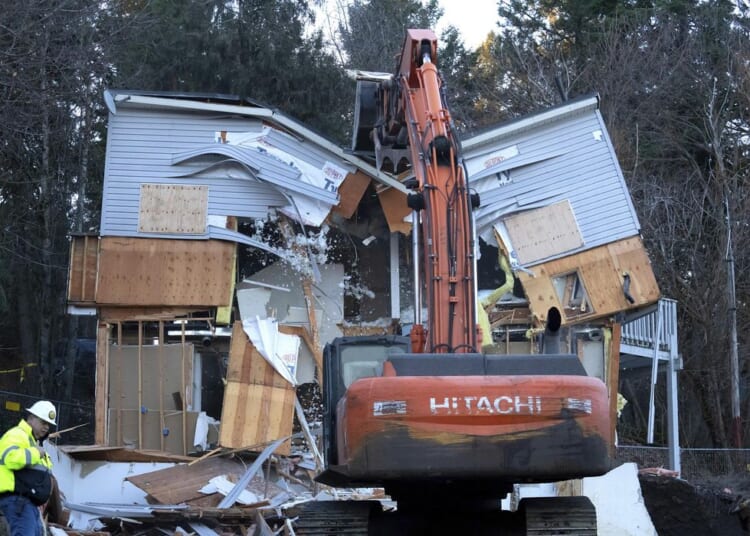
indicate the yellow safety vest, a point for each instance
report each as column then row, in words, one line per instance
column 17, row 451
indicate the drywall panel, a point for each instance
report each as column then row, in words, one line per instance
column 148, row 387
column 173, row 209
column 157, row 272
column 156, row 432
column 288, row 298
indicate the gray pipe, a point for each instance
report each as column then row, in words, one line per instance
column 551, row 337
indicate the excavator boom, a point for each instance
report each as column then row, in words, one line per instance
column 413, row 111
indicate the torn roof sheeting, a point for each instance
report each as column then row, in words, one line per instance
column 249, row 159
column 305, row 184
column 563, row 153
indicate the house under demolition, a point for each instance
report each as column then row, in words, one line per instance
column 235, row 243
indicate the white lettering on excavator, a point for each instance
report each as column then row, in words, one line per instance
column 475, row 405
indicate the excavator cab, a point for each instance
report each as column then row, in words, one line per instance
column 345, row 360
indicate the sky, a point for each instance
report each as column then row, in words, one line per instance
column 473, row 18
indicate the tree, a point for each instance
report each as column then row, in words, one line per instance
column 676, row 112
column 373, row 33
column 50, row 74
column 257, row 49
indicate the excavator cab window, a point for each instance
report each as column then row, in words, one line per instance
column 347, row 359
column 356, row 364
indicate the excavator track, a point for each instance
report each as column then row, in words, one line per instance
column 332, row 518
column 545, row 516
column 558, row 516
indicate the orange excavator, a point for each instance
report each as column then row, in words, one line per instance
column 445, row 429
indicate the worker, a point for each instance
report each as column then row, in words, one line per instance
column 26, row 470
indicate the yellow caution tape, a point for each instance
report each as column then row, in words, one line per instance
column 21, row 370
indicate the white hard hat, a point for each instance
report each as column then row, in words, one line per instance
column 45, row 410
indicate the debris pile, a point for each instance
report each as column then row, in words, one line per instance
column 224, row 492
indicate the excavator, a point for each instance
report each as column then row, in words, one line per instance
column 445, row 429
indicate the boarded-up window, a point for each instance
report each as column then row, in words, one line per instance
column 173, row 208
column 545, row 232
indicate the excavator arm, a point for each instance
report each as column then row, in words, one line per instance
column 413, row 116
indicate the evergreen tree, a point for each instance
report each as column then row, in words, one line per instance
column 50, row 83
column 374, row 31
column 257, row 49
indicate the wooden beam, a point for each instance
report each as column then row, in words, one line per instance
column 140, row 384
column 147, row 314
column 613, row 376
column 161, row 384
column 310, row 303
column 101, row 389
column 83, row 272
column 184, row 396
column 119, row 382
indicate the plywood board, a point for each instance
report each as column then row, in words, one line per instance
column 180, row 484
column 350, row 193
column 544, row 232
column 395, row 209
column 601, row 270
column 246, row 365
column 255, row 414
column 173, row 209
column 84, row 257
column 258, row 402
column 164, row 272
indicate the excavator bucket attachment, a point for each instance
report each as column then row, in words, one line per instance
column 365, row 118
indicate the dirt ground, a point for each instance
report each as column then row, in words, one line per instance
column 678, row 507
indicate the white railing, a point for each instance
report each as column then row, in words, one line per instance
column 639, row 335
column 653, row 335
